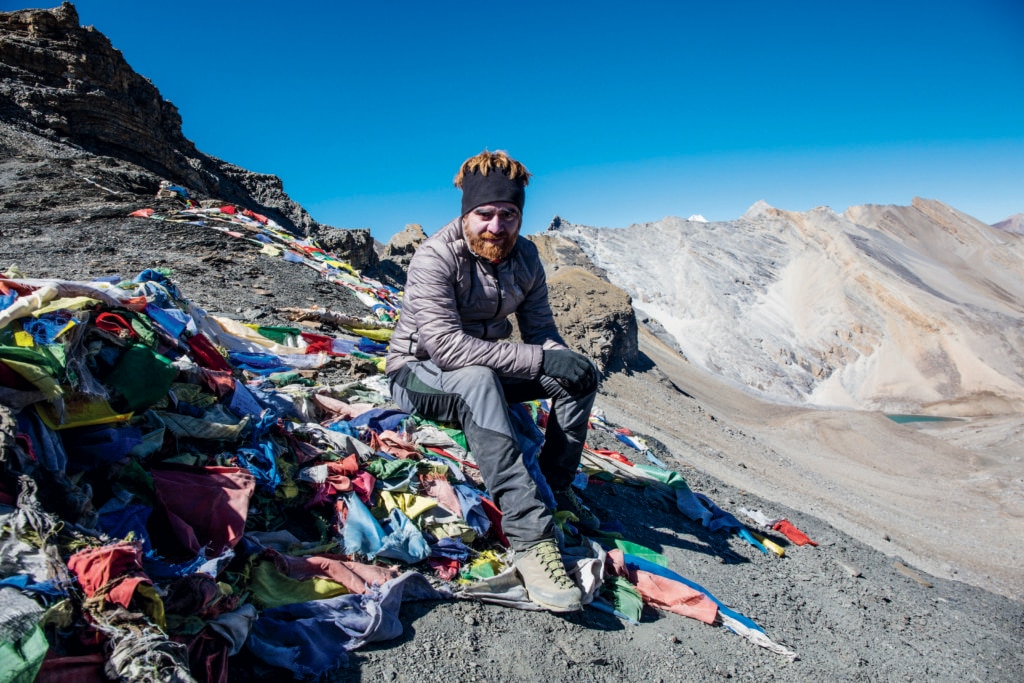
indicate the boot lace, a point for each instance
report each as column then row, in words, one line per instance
column 569, row 501
column 551, row 560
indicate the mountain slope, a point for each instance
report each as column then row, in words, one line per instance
column 901, row 309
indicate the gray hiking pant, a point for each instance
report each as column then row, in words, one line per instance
column 477, row 399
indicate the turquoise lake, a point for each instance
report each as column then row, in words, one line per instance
column 903, row 419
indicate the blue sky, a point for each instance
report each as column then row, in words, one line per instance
column 625, row 112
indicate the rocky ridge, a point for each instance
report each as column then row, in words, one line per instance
column 900, row 309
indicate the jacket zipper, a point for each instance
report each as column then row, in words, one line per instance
column 497, row 285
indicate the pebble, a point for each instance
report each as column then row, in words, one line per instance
column 850, row 569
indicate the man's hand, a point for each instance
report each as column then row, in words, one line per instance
column 572, row 370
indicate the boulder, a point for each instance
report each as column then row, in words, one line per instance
column 353, row 246
column 594, row 316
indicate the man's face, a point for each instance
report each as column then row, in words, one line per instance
column 492, row 229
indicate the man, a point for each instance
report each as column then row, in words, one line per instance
column 450, row 360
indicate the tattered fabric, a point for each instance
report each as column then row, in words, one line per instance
column 206, row 507
column 312, row 638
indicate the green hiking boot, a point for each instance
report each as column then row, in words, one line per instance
column 568, row 501
column 545, row 579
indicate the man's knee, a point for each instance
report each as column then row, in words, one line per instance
column 475, row 374
column 482, row 400
column 474, row 383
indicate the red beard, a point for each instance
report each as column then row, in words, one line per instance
column 494, row 249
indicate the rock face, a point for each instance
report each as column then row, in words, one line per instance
column 397, row 253
column 893, row 308
column 403, row 245
column 594, row 316
column 357, row 245
column 68, row 87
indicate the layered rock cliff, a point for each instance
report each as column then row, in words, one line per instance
column 66, row 93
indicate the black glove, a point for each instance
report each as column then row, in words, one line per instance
column 573, row 371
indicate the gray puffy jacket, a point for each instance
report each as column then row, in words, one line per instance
column 456, row 307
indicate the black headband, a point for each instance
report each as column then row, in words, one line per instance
column 478, row 189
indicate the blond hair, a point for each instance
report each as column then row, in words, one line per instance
column 485, row 162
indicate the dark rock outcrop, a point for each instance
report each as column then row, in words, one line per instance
column 397, row 253
column 403, row 245
column 357, row 245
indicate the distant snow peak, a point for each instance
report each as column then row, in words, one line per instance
column 697, row 218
